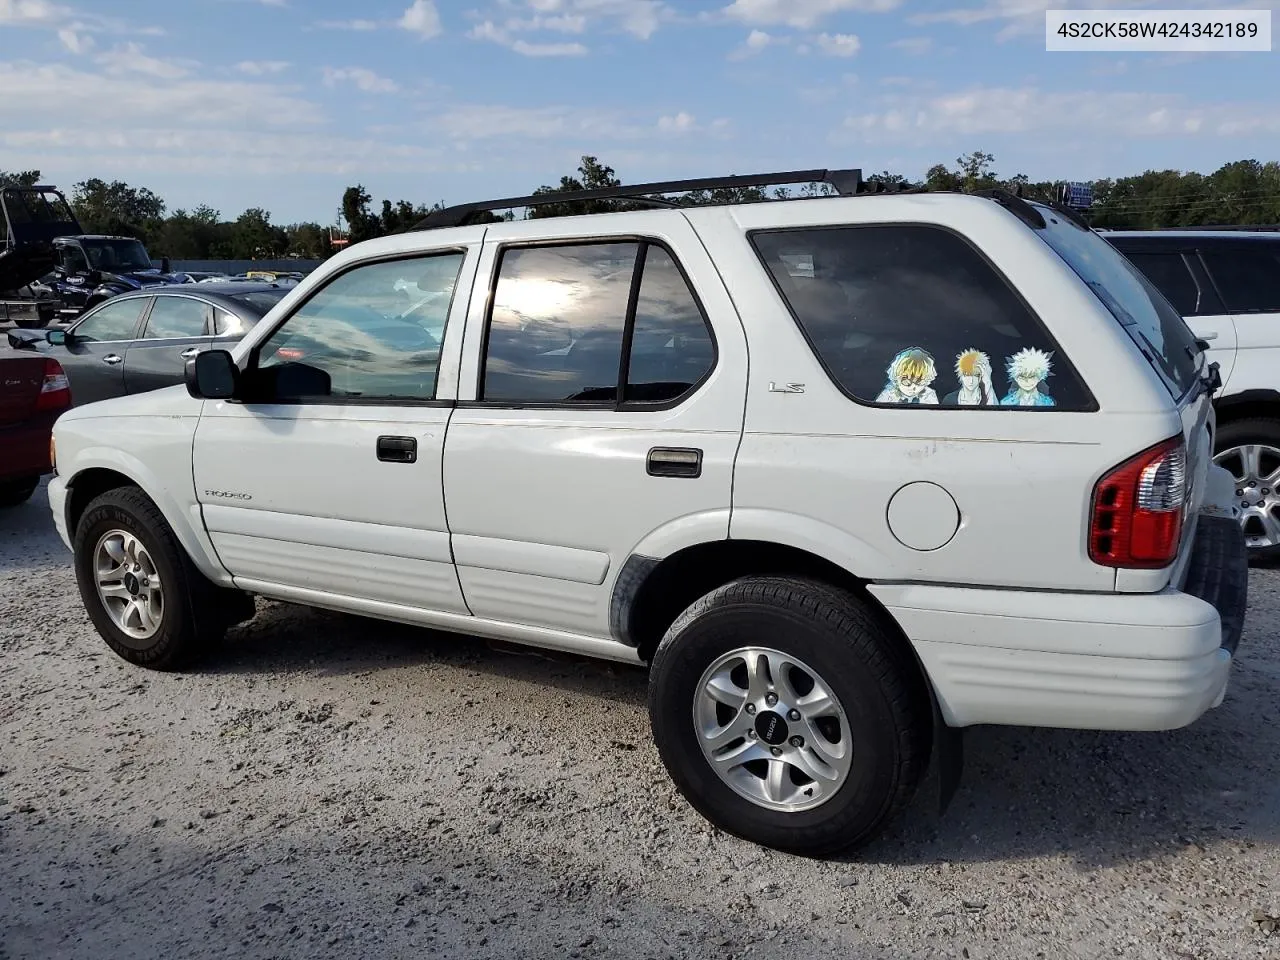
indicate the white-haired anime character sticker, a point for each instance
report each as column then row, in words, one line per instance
column 910, row 375
column 973, row 370
column 1028, row 369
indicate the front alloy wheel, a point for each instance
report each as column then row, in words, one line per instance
column 129, row 585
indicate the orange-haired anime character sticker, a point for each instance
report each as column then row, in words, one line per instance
column 973, row 370
column 1028, row 369
column 910, row 375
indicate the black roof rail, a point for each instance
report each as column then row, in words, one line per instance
column 846, row 183
column 1017, row 206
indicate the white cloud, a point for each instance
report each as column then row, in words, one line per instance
column 359, row 77
column 188, row 100
column 30, row 12
column 129, row 58
column 358, row 25
column 757, row 42
column 640, row 18
column 495, row 34
column 801, row 14
column 916, row 46
column 75, row 40
column 982, row 111
column 262, row 68
column 421, row 18
column 838, row 44
column 680, row 123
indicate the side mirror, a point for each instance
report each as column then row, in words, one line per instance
column 94, row 277
column 164, row 265
column 212, row 375
column 57, row 338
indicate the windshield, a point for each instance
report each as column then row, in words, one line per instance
column 1150, row 320
column 117, row 256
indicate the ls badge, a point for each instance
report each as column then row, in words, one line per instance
column 786, row 387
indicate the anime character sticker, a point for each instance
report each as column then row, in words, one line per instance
column 973, row 370
column 1028, row 369
column 909, row 378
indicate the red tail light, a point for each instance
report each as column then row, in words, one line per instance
column 55, row 392
column 1137, row 513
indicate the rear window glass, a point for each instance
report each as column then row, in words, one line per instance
column 1169, row 273
column 1247, row 274
column 1150, row 320
column 914, row 315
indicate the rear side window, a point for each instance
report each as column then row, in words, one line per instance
column 1248, row 276
column 1171, row 276
column 1151, row 321
column 174, row 318
column 914, row 315
column 594, row 323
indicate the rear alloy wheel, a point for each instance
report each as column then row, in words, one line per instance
column 787, row 716
column 1250, row 451
column 14, row 493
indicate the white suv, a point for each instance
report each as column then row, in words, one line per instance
column 848, row 473
column 1226, row 285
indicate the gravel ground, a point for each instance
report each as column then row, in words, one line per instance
column 340, row 787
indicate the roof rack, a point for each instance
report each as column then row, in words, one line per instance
column 846, row 183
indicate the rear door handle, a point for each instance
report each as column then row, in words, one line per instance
column 398, row 449
column 112, row 358
column 675, row 462
column 188, row 354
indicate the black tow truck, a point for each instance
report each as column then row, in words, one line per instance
column 50, row 269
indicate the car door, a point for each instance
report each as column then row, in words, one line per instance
column 174, row 329
column 1176, row 271
column 1246, row 273
column 600, row 410
column 96, row 344
column 324, row 483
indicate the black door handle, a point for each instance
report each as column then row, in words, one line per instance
column 675, row 462
column 398, row 449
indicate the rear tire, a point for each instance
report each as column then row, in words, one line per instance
column 143, row 594
column 1250, row 450
column 14, row 493
column 808, row 640
column 32, row 323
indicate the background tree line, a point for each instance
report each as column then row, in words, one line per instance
column 1245, row 192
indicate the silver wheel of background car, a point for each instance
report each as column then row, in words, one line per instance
column 1256, row 469
column 128, row 584
column 772, row 730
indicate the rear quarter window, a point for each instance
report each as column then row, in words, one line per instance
column 913, row 315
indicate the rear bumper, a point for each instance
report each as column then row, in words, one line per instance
column 1084, row 661
column 26, row 447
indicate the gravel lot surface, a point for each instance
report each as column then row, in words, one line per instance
column 333, row 786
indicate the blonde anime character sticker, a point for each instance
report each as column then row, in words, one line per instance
column 973, row 370
column 909, row 378
column 1028, row 369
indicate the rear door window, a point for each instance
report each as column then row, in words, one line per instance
column 913, row 315
column 1171, row 276
column 1247, row 275
column 1153, row 324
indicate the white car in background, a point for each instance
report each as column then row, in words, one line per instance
column 1227, row 285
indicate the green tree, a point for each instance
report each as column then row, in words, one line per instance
column 24, row 178
column 254, row 237
column 592, row 175
column 117, row 208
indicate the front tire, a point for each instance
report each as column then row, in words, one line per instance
column 786, row 716
column 143, row 594
column 14, row 493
